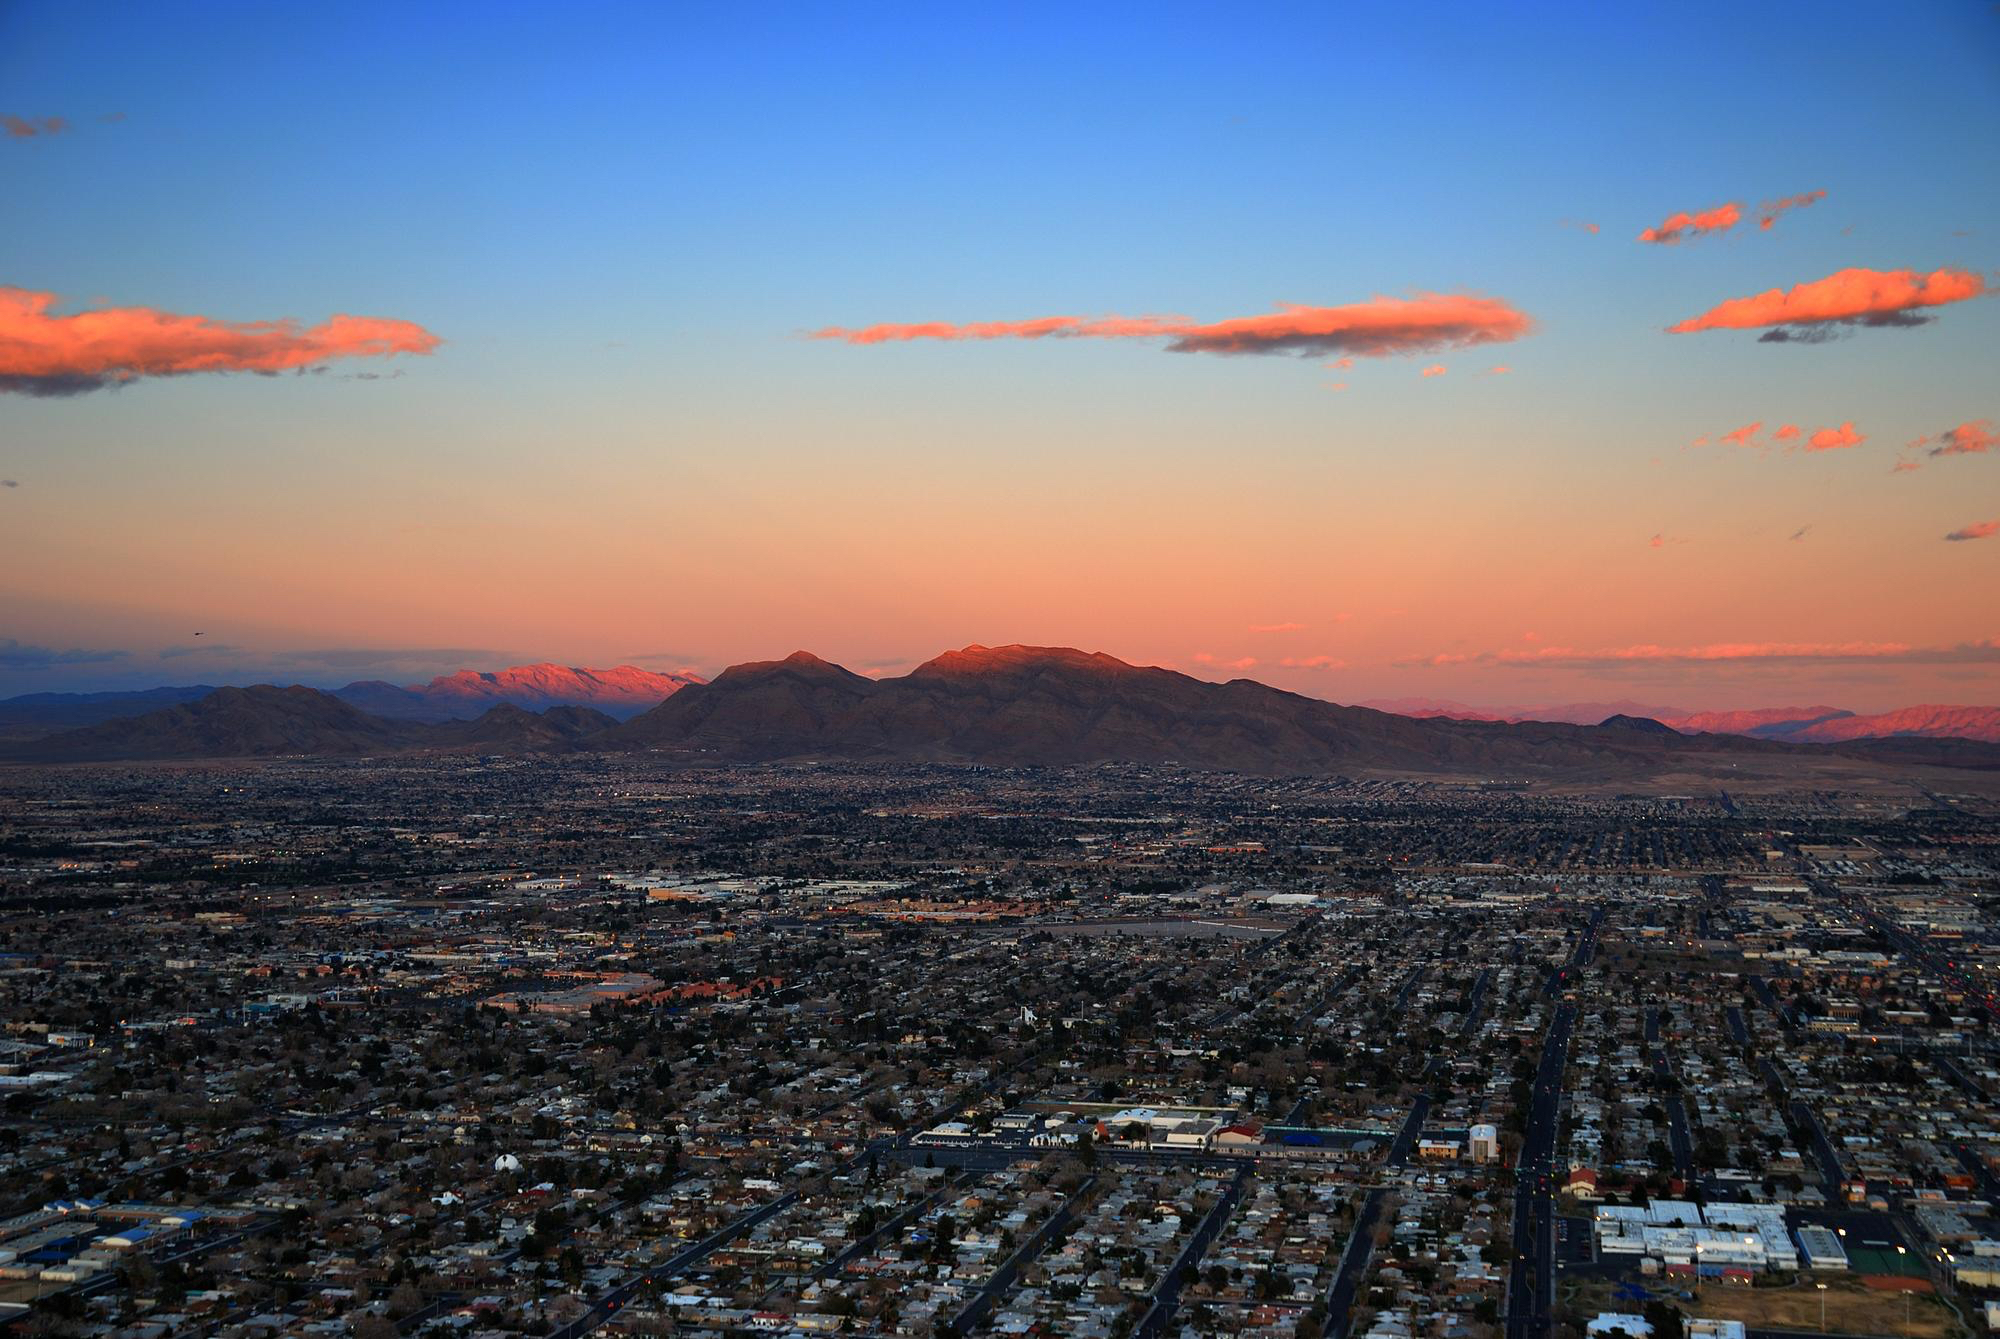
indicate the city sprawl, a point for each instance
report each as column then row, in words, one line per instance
column 569, row 1046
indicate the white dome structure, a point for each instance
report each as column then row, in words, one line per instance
column 506, row 1162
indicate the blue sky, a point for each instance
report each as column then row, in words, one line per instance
column 619, row 219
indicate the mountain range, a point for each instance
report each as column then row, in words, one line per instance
column 1014, row 706
column 620, row 693
column 1800, row 725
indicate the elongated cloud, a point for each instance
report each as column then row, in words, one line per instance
column 1967, row 439
column 1835, row 439
column 1785, row 432
column 1377, row 328
column 1743, row 435
column 1984, row 652
column 1277, row 627
column 1313, row 662
column 1809, row 312
column 44, row 354
column 1434, row 370
column 1767, row 213
column 1679, row 227
column 1977, row 530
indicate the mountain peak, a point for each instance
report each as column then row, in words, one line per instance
column 977, row 659
column 1642, row 724
column 624, row 691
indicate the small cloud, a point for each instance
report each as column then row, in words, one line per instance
column 1768, row 211
column 111, row 118
column 1699, row 441
column 1313, row 662
column 1498, row 370
column 1579, row 225
column 23, row 127
column 1679, row 227
column 200, row 649
column 10, row 483
column 1835, row 439
column 1658, row 541
column 1811, row 313
column 1340, row 364
column 1743, row 435
column 1434, row 370
column 1977, row 530
column 1801, row 532
column 1242, row 663
column 1785, row 433
column 1974, row 438
column 1336, row 386
column 1277, row 627
column 1906, row 466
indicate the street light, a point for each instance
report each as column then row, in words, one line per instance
column 1822, row 1308
column 1900, row 1252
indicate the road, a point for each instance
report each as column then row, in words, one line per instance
column 1531, row 1285
column 1823, row 1151
column 1476, row 1008
column 1167, row 1296
column 680, row 1262
column 983, row 1301
column 1764, row 993
column 1670, row 1098
column 1920, row 951
column 1353, row 1264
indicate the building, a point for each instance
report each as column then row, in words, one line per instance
column 1484, row 1143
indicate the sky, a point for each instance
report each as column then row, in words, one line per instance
column 1367, row 350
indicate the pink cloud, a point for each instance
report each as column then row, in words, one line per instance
column 1277, row 627
column 1741, row 436
column 1807, row 312
column 1768, row 211
column 1974, row 438
column 1977, row 530
column 1785, row 433
column 1313, row 662
column 1499, row 370
column 1679, row 227
column 1241, row 663
column 1377, row 328
column 1835, row 439
column 1434, row 370
column 21, row 127
column 1905, row 466
column 43, row 354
